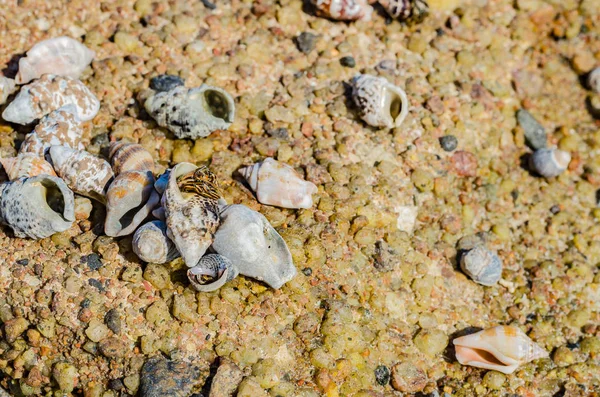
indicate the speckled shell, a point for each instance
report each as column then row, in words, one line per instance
column 62, row 56
column 279, row 184
column 380, row 103
column 125, row 157
column 33, row 144
column 412, row 11
column 26, row 165
column 482, row 265
column 60, row 127
column 219, row 268
column 248, row 240
column 192, row 220
column 151, row 244
column 7, row 87
column 37, row 207
column 594, row 80
column 501, row 348
column 85, row 173
column 49, row 93
column 550, row 162
column 192, row 112
column 344, row 10
column 129, row 200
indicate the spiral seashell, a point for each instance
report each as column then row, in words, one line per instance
column 380, row 103
column 129, row 200
column 49, row 93
column 151, row 244
column 85, row 173
column 211, row 273
column 593, row 80
column 344, row 10
column 279, row 185
column 248, row 240
column 192, row 112
column 7, row 87
column 60, row 127
column 411, row 11
column 501, row 348
column 192, row 215
column 62, row 56
column 37, row 207
column 550, row 162
column 125, row 157
column 482, row 265
column 26, row 165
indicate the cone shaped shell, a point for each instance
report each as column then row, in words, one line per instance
column 26, row 165
column 279, row 185
column 380, row 103
column 129, row 200
column 125, row 157
column 151, row 244
column 216, row 268
column 501, row 348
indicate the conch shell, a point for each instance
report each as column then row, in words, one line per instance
column 26, row 165
column 62, row 56
column 125, row 157
column 279, row 185
column 211, row 273
column 37, row 207
column 501, row 348
column 85, row 173
column 191, row 208
column 380, row 103
column 344, row 10
column 151, row 244
column 49, row 93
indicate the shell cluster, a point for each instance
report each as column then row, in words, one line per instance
column 380, row 103
column 549, row 162
column 501, row 348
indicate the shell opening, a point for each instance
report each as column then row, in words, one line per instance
column 217, row 104
column 53, row 196
column 127, row 217
column 395, row 104
column 478, row 355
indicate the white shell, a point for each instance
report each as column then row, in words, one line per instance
column 380, row 103
column 85, row 173
column 129, row 200
column 218, row 268
column 26, row 165
column 279, row 185
column 49, row 93
column 7, row 87
column 62, row 56
column 248, row 240
column 550, row 162
column 482, row 265
column 37, row 207
column 501, row 348
column 125, row 157
column 60, row 127
column 344, row 10
column 594, row 80
column 192, row 220
column 151, row 244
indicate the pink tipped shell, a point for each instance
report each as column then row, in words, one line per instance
column 26, row 165
column 125, row 157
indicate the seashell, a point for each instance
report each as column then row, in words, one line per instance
column 129, row 200
column 7, row 87
column 380, row 103
column 165, row 82
column 248, row 240
column 125, row 156
column 279, row 184
column 192, row 112
column 549, row 162
column 344, row 10
column 191, row 209
column 60, row 127
column 162, row 181
column 26, row 165
column 85, row 173
column 482, row 265
column 33, row 144
column 49, row 93
column 211, row 273
column 501, row 348
column 151, row 244
column 37, row 207
column 62, row 56
column 411, row 11
column 593, row 80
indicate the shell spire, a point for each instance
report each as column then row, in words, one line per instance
column 26, row 165
column 151, row 244
column 211, row 273
column 125, row 157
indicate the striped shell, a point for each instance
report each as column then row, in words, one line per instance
column 49, row 93
column 380, row 103
column 344, row 10
column 411, row 11
column 211, row 273
column 125, row 157
column 501, row 348
column 151, row 244
column 62, row 56
column 26, row 165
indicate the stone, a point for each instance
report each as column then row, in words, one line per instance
column 163, row 377
column 535, row 134
column 306, row 42
column 348, row 61
column 448, row 143
column 165, row 82
column 113, row 320
column 407, row 378
column 226, row 380
column 382, row 375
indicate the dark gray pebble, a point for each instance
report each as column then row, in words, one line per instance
column 165, row 82
column 113, row 320
column 162, row 377
column 448, row 142
column 93, row 261
column 116, row 384
column 307, row 271
column 535, row 134
column 382, row 375
column 306, row 42
column 23, row 262
column 348, row 61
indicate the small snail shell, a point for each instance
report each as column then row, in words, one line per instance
column 550, row 162
column 211, row 273
column 129, row 200
column 125, row 156
column 26, row 165
column 85, row 173
column 7, row 87
column 61, row 127
column 279, row 184
column 49, row 93
column 344, row 10
column 37, row 207
column 151, row 244
column 501, row 348
column 380, row 103
column 482, row 265
column 594, row 80
column 411, row 11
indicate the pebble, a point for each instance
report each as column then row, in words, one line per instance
column 93, row 261
column 113, row 320
column 66, row 376
column 448, row 143
column 164, row 377
column 464, row 163
column 382, row 375
column 116, row 384
column 535, row 134
column 306, row 42
column 348, row 61
column 407, row 378
column 83, row 208
column 431, row 342
column 166, row 82
column 113, row 347
column 226, row 380
column 14, row 328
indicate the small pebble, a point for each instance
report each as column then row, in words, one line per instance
column 407, row 378
column 382, row 375
column 23, row 262
column 307, row 271
column 160, row 377
column 93, row 261
column 535, row 134
column 209, row 5
column 449, row 143
column 113, row 320
column 306, row 42
column 165, row 82
column 116, row 384
column 348, row 61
